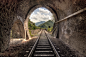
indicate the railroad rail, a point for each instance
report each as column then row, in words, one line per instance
column 43, row 47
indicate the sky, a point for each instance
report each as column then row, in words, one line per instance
column 41, row 14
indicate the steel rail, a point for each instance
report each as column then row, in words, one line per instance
column 33, row 48
column 57, row 55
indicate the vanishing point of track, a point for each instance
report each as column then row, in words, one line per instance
column 43, row 47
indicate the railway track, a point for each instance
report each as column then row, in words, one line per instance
column 43, row 47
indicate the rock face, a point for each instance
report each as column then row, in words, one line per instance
column 72, row 31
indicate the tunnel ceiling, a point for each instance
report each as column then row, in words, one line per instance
column 23, row 7
column 26, row 7
column 37, row 6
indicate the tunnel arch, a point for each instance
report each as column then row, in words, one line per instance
column 17, row 30
column 45, row 6
column 50, row 9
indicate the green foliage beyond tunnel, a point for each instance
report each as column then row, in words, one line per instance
column 32, row 25
column 47, row 25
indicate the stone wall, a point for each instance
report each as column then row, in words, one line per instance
column 73, row 31
column 7, row 9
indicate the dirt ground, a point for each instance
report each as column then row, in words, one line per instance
column 19, row 47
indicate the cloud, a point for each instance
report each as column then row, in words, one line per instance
column 43, row 11
column 41, row 15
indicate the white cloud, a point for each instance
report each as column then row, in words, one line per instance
column 41, row 15
column 43, row 11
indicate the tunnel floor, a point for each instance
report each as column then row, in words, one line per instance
column 22, row 48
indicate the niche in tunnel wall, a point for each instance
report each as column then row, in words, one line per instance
column 17, row 30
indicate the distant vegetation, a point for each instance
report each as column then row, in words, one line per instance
column 49, row 29
column 38, row 23
column 47, row 25
column 32, row 25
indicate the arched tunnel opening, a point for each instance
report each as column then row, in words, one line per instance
column 41, row 18
column 54, row 17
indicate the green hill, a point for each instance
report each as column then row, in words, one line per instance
column 47, row 24
column 38, row 23
column 32, row 25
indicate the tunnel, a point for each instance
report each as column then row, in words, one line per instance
column 72, row 31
